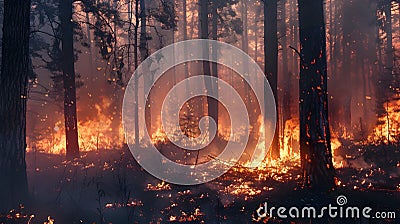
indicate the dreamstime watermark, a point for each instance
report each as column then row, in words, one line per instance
column 332, row 211
column 138, row 90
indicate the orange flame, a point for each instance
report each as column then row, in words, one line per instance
column 94, row 134
column 388, row 128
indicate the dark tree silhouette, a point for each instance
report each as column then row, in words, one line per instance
column 136, row 62
column 13, row 92
column 213, row 104
column 271, row 61
column 144, row 54
column 68, row 67
column 221, row 13
column 315, row 139
column 204, row 34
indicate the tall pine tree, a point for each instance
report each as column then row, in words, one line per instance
column 315, row 138
column 13, row 93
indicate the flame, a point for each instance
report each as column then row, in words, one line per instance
column 260, row 147
column 243, row 188
column 159, row 187
column 387, row 129
column 159, row 136
column 93, row 134
column 336, row 160
column 291, row 137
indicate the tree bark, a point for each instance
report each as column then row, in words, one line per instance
column 144, row 53
column 348, row 68
column 245, row 48
column 271, row 61
column 214, row 66
column 315, row 144
column 13, row 92
column 136, row 61
column 185, row 37
column 287, row 96
column 206, row 64
column 387, row 8
column 68, row 67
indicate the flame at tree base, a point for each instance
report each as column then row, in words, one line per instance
column 99, row 132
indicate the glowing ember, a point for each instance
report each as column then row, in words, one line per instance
column 243, row 189
column 159, row 187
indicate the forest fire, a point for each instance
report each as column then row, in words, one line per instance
column 99, row 131
column 108, row 110
column 388, row 126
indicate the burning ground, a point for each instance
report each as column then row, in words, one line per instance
column 108, row 186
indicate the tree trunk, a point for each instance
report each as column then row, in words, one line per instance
column 348, row 68
column 315, row 144
column 214, row 66
column 245, row 48
column 144, row 53
column 286, row 112
column 172, row 2
column 385, row 56
column 271, row 61
column 389, row 36
column 136, row 61
column 185, row 37
column 13, row 92
column 68, row 67
column 89, row 37
column 206, row 64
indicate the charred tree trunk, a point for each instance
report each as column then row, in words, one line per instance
column 271, row 61
column 348, row 67
column 89, row 37
column 173, row 29
column 185, row 37
column 214, row 66
column 136, row 79
column 13, row 92
column 387, row 8
column 286, row 112
column 144, row 53
column 206, row 64
column 315, row 139
column 68, row 67
column 245, row 48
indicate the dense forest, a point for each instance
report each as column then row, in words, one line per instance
column 290, row 102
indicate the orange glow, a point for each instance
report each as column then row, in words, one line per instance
column 94, row 134
column 388, row 128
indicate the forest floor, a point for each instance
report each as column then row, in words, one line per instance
column 108, row 186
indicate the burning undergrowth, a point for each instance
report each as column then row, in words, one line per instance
column 99, row 129
column 109, row 185
column 387, row 130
